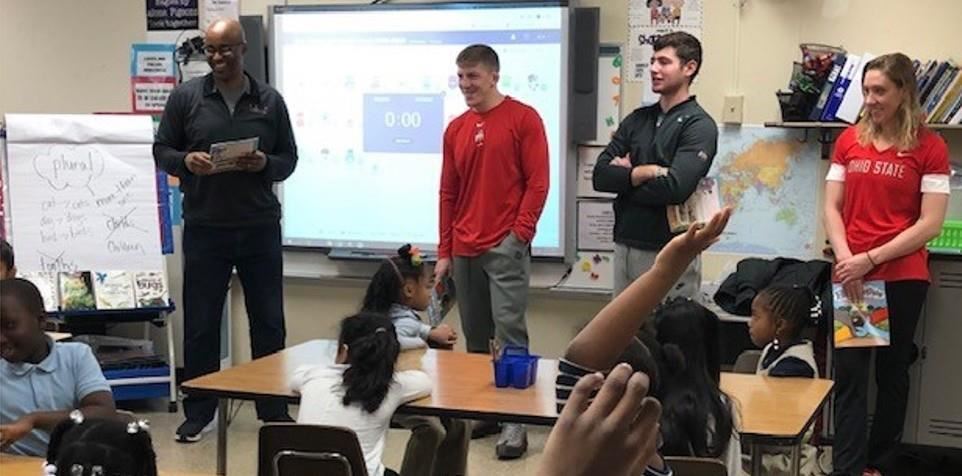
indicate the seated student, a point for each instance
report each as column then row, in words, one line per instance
column 42, row 380
column 401, row 288
column 779, row 314
column 604, row 339
column 82, row 446
column 361, row 390
column 697, row 418
column 8, row 269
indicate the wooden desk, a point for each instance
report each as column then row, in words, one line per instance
column 773, row 411
column 463, row 386
column 11, row 465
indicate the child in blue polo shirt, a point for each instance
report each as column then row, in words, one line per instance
column 42, row 380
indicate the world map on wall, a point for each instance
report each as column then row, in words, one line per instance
column 770, row 178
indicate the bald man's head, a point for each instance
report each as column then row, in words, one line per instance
column 225, row 45
column 227, row 29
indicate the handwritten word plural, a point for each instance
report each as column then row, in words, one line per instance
column 73, row 164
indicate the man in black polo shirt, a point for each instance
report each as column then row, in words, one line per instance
column 655, row 159
column 231, row 218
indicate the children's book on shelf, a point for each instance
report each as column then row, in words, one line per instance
column 77, row 291
column 46, row 283
column 114, row 290
column 150, row 289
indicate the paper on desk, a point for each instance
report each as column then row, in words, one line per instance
column 224, row 155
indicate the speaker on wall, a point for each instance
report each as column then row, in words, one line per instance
column 583, row 72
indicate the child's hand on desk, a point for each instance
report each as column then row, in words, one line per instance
column 616, row 434
column 443, row 335
column 682, row 249
column 14, row 431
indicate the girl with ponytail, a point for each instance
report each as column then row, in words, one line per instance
column 362, row 389
column 400, row 289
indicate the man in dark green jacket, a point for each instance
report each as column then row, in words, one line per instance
column 656, row 159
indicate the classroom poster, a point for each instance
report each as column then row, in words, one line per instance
column 609, row 92
column 153, row 75
column 596, row 224
column 587, row 157
column 171, row 15
column 83, row 193
column 212, row 10
column 591, row 271
column 649, row 19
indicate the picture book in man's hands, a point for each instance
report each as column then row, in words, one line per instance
column 863, row 324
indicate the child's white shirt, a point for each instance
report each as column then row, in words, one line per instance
column 321, row 392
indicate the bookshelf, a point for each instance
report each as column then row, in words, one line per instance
column 825, row 131
column 133, row 383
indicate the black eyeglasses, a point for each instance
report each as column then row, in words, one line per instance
column 224, row 50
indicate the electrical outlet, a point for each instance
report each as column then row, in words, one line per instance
column 732, row 111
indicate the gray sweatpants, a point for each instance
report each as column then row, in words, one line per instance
column 492, row 292
column 630, row 263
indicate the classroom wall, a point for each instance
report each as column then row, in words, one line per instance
column 68, row 56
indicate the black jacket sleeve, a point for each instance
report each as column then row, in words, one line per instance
column 692, row 159
column 171, row 140
column 282, row 160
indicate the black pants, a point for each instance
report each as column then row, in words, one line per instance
column 852, row 452
column 210, row 254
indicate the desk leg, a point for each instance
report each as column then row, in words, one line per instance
column 756, row 459
column 222, row 409
column 796, row 458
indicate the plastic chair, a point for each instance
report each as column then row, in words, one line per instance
column 288, row 449
column 747, row 362
column 692, row 466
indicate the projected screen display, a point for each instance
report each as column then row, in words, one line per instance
column 370, row 92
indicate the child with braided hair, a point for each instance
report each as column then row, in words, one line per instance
column 779, row 314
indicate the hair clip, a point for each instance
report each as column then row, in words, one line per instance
column 416, row 258
column 96, row 470
column 76, row 416
column 135, row 427
column 49, row 469
column 76, row 470
column 380, row 330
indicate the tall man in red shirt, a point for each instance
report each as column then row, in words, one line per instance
column 494, row 182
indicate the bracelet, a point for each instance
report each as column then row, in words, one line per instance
column 870, row 260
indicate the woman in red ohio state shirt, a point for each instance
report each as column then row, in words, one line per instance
column 885, row 197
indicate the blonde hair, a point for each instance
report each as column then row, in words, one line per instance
column 899, row 69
